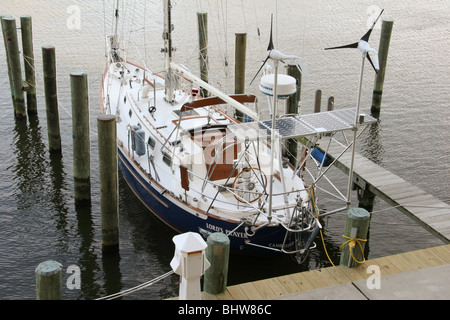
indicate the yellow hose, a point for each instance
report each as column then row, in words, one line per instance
column 351, row 244
column 317, row 216
column 351, row 241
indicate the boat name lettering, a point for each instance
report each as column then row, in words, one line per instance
column 236, row 234
column 227, row 232
column 213, row 227
column 280, row 245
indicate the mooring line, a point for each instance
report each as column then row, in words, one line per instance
column 137, row 288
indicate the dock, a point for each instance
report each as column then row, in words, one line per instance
column 428, row 211
column 421, row 274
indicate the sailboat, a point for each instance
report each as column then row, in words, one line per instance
column 198, row 169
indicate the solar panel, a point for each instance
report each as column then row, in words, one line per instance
column 302, row 125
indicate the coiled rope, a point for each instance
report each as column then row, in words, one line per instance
column 351, row 245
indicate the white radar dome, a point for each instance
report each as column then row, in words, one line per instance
column 287, row 85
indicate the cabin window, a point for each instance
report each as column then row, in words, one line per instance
column 151, row 143
column 167, row 159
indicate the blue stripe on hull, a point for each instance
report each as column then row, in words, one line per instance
column 176, row 216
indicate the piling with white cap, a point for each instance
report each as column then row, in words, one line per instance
column 190, row 263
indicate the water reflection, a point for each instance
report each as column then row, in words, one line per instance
column 88, row 258
column 112, row 274
column 31, row 164
column 371, row 145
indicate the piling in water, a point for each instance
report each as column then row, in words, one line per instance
column 355, row 237
column 217, row 253
column 239, row 68
column 51, row 98
column 292, row 107
column 6, row 49
column 14, row 67
column 109, row 182
column 385, row 39
column 81, row 137
column 48, row 281
column 318, row 101
column 28, row 60
column 366, row 199
column 330, row 106
column 203, row 46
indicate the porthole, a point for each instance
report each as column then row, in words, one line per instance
column 151, row 143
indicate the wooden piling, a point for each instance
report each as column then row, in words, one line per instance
column 355, row 237
column 318, row 101
column 330, row 106
column 6, row 55
column 15, row 70
column 48, row 281
column 239, row 68
column 51, row 98
column 203, row 47
column 385, row 39
column 28, row 61
column 217, row 253
column 292, row 107
column 81, row 136
column 109, row 185
column 366, row 199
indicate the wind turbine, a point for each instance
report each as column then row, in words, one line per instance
column 276, row 56
column 364, row 47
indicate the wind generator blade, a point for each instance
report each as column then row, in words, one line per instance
column 367, row 35
column 264, row 63
column 353, row 45
column 271, row 46
column 269, row 49
column 371, row 62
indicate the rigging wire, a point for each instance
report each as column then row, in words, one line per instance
column 259, row 33
column 222, row 23
column 104, row 23
column 145, row 32
column 243, row 14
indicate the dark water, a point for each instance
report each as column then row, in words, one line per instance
column 39, row 220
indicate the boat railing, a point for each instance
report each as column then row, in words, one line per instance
column 254, row 208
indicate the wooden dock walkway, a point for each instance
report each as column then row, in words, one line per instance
column 292, row 284
column 428, row 211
